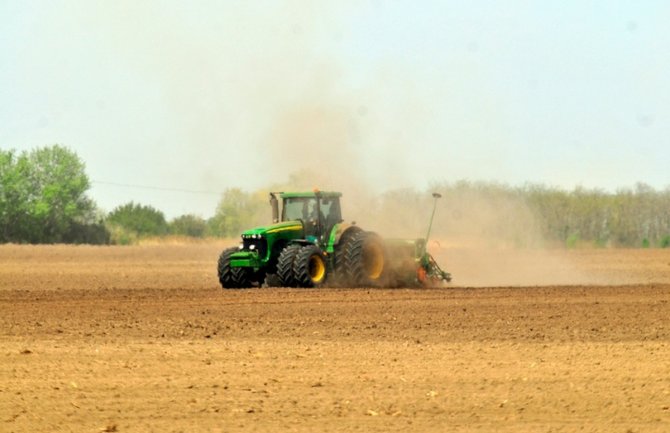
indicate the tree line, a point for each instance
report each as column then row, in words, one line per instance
column 530, row 214
column 43, row 200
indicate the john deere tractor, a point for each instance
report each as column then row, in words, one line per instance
column 308, row 245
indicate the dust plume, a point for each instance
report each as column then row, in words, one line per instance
column 318, row 143
column 254, row 96
column 475, row 266
column 484, row 235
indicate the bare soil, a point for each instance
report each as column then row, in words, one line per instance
column 142, row 339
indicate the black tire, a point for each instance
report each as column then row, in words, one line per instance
column 285, row 265
column 365, row 260
column 309, row 267
column 242, row 277
column 341, row 248
column 229, row 277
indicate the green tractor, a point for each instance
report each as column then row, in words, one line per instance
column 309, row 245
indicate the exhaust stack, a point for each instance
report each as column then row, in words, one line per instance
column 275, row 207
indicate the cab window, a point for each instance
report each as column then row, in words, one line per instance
column 298, row 208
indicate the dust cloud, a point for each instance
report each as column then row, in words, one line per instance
column 483, row 236
column 274, row 111
column 481, row 239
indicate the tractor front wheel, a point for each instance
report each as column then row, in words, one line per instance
column 230, row 277
column 309, row 267
column 287, row 257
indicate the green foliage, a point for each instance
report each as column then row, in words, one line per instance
column 13, row 189
column 238, row 211
column 42, row 197
column 92, row 233
column 665, row 242
column 188, row 225
column 572, row 240
column 132, row 221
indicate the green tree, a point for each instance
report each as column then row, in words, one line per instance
column 237, row 211
column 133, row 220
column 13, row 187
column 188, row 225
column 43, row 195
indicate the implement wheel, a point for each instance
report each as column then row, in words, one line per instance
column 229, row 277
column 365, row 260
column 309, row 267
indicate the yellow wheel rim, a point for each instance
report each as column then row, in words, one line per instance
column 373, row 260
column 317, row 268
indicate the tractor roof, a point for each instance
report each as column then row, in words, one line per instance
column 309, row 194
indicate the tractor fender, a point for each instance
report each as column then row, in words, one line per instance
column 337, row 232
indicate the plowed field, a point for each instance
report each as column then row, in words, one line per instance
column 142, row 338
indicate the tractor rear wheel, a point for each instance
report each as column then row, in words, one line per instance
column 287, row 256
column 309, row 267
column 364, row 260
column 230, row 277
column 340, row 251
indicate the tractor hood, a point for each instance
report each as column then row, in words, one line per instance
column 285, row 226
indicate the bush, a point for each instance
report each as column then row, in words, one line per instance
column 131, row 221
column 188, row 225
column 95, row 233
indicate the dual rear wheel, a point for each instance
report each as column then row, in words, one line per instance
column 364, row 260
column 302, row 266
column 360, row 261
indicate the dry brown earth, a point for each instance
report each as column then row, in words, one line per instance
column 141, row 339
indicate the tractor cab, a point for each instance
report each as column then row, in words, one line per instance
column 318, row 211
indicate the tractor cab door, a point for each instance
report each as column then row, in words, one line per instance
column 332, row 214
column 312, row 216
column 306, row 210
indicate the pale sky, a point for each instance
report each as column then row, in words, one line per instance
column 207, row 95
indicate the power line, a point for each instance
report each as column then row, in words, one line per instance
column 155, row 188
